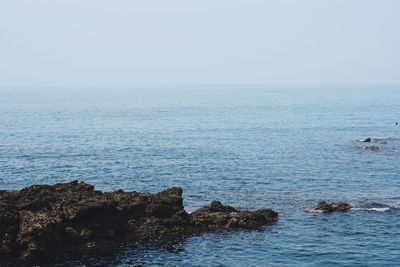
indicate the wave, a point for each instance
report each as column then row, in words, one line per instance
column 373, row 209
column 375, row 206
column 314, row 211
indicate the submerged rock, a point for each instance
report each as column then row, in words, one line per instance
column 42, row 220
column 372, row 148
column 324, row 206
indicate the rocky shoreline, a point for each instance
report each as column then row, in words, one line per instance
column 40, row 221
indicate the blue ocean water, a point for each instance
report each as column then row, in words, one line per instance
column 284, row 149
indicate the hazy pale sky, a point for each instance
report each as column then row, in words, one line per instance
column 128, row 43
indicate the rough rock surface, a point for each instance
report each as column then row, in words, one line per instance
column 324, row 206
column 43, row 220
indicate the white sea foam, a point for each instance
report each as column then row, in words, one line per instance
column 381, row 209
column 315, row 211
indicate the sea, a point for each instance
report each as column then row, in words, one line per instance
column 249, row 147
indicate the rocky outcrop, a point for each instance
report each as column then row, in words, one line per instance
column 43, row 220
column 324, row 206
column 217, row 216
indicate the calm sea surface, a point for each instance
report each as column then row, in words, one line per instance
column 284, row 149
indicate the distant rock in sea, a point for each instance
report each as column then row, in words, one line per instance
column 44, row 221
column 372, row 148
column 324, row 206
column 375, row 140
column 367, row 140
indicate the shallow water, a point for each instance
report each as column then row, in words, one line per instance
column 280, row 148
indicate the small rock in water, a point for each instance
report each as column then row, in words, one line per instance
column 367, row 140
column 331, row 207
column 372, row 148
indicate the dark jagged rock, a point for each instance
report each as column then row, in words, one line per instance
column 375, row 140
column 324, row 206
column 218, row 216
column 373, row 148
column 42, row 220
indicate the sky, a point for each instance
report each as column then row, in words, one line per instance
column 160, row 43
